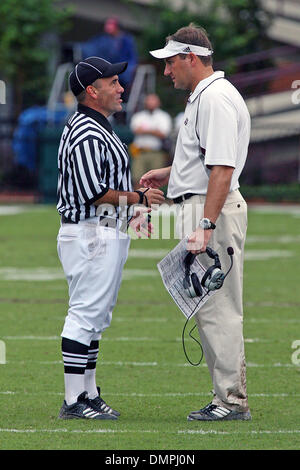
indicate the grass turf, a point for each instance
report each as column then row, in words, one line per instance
column 142, row 369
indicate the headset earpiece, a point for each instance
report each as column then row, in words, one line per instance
column 191, row 282
column 212, row 279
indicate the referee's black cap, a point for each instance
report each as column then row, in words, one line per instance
column 90, row 69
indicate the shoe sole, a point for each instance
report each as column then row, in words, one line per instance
column 231, row 417
column 100, row 416
column 104, row 417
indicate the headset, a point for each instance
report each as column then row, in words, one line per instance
column 212, row 279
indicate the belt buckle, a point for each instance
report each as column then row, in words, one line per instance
column 185, row 197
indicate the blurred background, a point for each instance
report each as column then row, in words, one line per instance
column 256, row 43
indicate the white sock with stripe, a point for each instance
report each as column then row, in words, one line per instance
column 75, row 357
column 90, row 371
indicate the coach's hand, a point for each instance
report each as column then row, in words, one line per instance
column 156, row 178
column 198, row 240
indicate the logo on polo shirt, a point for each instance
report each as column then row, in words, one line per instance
column 186, row 121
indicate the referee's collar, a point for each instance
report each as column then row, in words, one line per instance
column 100, row 118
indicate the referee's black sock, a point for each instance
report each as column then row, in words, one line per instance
column 75, row 357
column 90, row 371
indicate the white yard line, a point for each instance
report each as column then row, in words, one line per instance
column 230, row 433
column 117, row 339
column 157, row 395
column 149, row 431
column 291, row 209
column 52, row 274
column 258, row 255
column 166, row 209
column 43, row 274
column 141, row 320
column 282, row 239
column 12, row 210
column 154, row 364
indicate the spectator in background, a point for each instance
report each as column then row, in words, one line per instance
column 151, row 128
column 29, row 141
column 114, row 45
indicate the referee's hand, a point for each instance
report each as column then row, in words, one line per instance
column 154, row 196
column 140, row 222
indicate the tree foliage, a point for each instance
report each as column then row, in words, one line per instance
column 24, row 50
column 235, row 28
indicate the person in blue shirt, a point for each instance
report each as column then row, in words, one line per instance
column 114, row 45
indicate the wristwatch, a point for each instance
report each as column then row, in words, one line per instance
column 206, row 224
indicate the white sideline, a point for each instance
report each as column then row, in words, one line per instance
column 117, row 339
column 161, row 395
column 213, row 431
column 153, row 364
column 148, row 431
column 43, row 274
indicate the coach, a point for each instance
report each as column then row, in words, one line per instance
column 94, row 200
column 210, row 154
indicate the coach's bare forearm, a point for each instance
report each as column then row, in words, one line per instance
column 217, row 191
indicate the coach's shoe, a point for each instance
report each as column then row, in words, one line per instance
column 99, row 404
column 83, row 408
column 218, row 413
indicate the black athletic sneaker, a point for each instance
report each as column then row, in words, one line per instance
column 216, row 413
column 83, row 408
column 99, row 404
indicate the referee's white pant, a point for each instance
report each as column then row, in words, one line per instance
column 220, row 319
column 93, row 258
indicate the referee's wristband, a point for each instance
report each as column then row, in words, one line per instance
column 142, row 196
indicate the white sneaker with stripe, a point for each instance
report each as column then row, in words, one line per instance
column 83, row 408
column 213, row 412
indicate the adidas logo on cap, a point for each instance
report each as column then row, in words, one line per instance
column 187, row 49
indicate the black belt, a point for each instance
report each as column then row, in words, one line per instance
column 186, row 196
column 113, row 224
column 64, row 220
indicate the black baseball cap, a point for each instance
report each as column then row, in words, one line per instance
column 90, row 69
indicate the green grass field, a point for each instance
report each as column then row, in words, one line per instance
column 142, row 368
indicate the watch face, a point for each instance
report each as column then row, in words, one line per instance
column 205, row 223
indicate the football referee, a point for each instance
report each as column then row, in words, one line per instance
column 95, row 199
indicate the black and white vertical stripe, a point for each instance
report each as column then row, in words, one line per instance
column 91, row 160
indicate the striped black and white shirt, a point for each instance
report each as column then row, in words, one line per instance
column 91, row 160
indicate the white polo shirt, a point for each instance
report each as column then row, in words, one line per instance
column 215, row 130
column 158, row 120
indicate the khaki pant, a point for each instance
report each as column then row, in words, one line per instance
column 220, row 319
